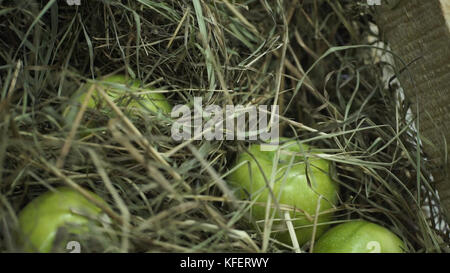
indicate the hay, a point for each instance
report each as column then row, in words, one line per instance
column 168, row 196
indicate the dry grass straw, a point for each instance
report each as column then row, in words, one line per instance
column 167, row 196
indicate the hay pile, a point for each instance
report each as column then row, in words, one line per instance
column 299, row 53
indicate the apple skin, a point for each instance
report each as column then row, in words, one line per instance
column 359, row 237
column 294, row 191
column 117, row 87
column 40, row 219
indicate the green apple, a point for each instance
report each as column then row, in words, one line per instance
column 359, row 237
column 120, row 90
column 302, row 184
column 40, row 219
